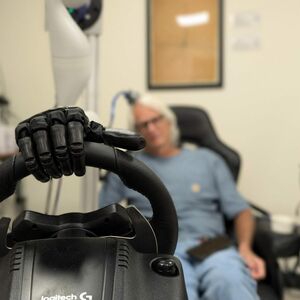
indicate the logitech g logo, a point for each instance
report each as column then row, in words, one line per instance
column 82, row 296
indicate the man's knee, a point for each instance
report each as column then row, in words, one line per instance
column 219, row 283
column 219, row 277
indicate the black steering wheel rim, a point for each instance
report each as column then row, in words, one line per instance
column 129, row 169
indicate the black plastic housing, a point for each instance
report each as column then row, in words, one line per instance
column 109, row 254
column 103, row 268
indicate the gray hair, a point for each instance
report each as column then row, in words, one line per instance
column 159, row 106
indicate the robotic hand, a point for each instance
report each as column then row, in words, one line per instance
column 52, row 142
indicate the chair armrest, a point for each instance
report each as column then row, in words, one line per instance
column 263, row 246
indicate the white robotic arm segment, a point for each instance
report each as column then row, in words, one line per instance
column 71, row 53
column 76, row 3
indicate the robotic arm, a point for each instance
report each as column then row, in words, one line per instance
column 72, row 53
column 74, row 27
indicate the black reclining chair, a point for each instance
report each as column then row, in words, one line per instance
column 196, row 127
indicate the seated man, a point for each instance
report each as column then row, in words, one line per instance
column 203, row 192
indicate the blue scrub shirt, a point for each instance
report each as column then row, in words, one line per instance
column 200, row 184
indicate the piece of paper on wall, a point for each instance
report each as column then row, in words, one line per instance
column 246, row 43
column 245, row 19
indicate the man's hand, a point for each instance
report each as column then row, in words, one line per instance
column 244, row 228
column 254, row 262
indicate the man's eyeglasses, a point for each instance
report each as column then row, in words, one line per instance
column 154, row 121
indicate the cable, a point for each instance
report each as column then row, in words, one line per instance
column 113, row 107
column 57, row 196
column 129, row 95
column 49, row 193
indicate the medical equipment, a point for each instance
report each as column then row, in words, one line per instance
column 112, row 253
column 74, row 27
column 72, row 52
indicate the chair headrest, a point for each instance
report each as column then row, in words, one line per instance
column 196, row 127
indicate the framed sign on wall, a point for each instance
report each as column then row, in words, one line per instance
column 184, row 43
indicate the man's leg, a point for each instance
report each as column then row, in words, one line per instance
column 190, row 277
column 224, row 275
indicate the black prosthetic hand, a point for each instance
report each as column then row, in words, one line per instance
column 52, row 142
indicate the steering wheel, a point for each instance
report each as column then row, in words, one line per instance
column 134, row 174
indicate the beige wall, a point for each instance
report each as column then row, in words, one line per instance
column 256, row 111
